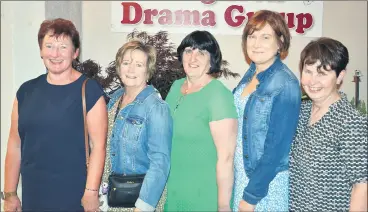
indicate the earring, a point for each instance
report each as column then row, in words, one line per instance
column 278, row 52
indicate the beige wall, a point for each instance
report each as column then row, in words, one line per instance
column 20, row 58
column 100, row 44
column 7, row 81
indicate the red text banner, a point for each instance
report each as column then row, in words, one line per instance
column 304, row 18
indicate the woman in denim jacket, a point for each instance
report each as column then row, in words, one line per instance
column 140, row 129
column 268, row 100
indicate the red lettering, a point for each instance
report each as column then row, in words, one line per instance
column 148, row 16
column 305, row 21
column 290, row 20
column 187, row 17
column 167, row 18
column 126, row 12
column 228, row 15
column 250, row 14
column 209, row 20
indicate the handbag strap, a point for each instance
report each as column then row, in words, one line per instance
column 85, row 121
column 119, row 103
column 118, row 108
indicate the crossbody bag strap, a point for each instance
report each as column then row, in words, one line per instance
column 116, row 115
column 85, row 121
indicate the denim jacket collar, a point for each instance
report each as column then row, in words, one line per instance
column 264, row 74
column 148, row 90
column 269, row 71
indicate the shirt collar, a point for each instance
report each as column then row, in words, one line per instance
column 269, row 71
column 148, row 90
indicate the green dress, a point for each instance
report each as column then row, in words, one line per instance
column 192, row 181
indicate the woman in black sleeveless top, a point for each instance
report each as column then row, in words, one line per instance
column 46, row 143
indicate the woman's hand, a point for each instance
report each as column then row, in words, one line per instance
column 246, row 207
column 223, row 209
column 90, row 201
column 12, row 204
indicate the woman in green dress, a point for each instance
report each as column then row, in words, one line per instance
column 204, row 132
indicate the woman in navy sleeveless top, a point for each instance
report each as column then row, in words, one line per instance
column 46, row 143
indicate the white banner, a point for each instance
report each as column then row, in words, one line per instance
column 304, row 18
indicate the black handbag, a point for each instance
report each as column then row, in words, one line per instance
column 123, row 189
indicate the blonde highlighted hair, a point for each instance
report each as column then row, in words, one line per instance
column 149, row 50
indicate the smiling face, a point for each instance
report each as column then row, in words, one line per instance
column 320, row 84
column 58, row 53
column 196, row 62
column 133, row 68
column 262, row 46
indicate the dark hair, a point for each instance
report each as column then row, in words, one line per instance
column 277, row 23
column 328, row 51
column 203, row 40
column 59, row 27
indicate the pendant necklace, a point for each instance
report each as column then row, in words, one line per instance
column 181, row 98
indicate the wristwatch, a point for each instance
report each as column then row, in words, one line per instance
column 5, row 195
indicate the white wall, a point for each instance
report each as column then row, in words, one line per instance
column 20, row 58
column 7, row 80
column 100, row 44
column 347, row 21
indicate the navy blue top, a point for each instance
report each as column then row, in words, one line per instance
column 51, row 129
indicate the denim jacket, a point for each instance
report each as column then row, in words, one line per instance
column 141, row 143
column 270, row 121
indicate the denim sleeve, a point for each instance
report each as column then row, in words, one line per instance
column 159, row 134
column 282, row 126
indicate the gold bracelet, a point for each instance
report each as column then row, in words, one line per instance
column 6, row 195
column 88, row 189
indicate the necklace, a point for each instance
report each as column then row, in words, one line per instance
column 120, row 103
column 185, row 93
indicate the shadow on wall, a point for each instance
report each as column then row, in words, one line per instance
column 168, row 68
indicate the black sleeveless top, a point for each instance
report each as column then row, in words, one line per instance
column 51, row 129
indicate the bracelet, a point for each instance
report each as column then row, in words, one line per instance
column 6, row 195
column 88, row 189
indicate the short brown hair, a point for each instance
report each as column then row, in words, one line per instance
column 59, row 27
column 331, row 53
column 277, row 23
column 149, row 50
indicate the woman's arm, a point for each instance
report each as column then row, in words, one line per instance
column 97, row 130
column 12, row 159
column 358, row 201
column 282, row 126
column 224, row 134
column 12, row 163
column 354, row 151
